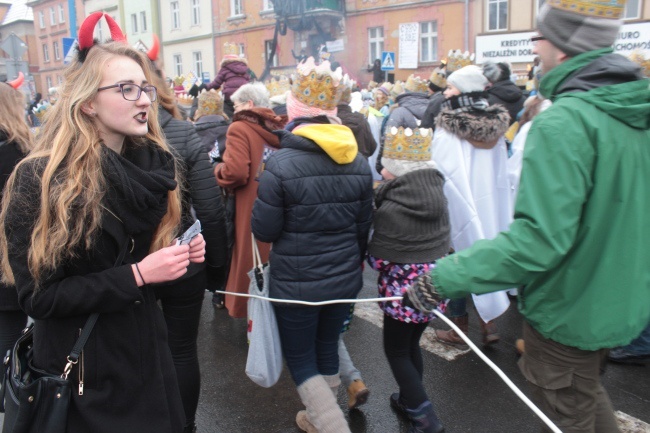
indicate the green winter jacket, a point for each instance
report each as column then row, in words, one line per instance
column 580, row 241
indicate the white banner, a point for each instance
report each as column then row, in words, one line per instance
column 335, row 46
column 408, row 46
column 517, row 48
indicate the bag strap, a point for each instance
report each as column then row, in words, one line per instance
column 74, row 355
column 257, row 258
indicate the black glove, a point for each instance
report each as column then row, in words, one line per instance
column 422, row 295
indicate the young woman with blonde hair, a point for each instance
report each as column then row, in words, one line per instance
column 99, row 183
column 15, row 142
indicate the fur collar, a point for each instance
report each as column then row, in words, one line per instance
column 481, row 128
column 264, row 117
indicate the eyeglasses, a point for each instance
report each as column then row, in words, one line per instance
column 537, row 38
column 132, row 92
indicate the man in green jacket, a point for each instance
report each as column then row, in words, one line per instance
column 579, row 243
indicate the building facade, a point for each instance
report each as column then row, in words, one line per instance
column 17, row 37
column 52, row 23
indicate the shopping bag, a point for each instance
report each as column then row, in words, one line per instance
column 264, row 362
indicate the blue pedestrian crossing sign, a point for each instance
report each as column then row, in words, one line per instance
column 388, row 60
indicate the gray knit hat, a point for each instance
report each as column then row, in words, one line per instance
column 578, row 26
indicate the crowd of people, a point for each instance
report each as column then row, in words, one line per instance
column 460, row 184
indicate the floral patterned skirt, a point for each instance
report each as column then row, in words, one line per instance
column 393, row 280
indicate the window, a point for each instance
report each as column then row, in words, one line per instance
column 497, row 14
column 429, row 41
column 375, row 43
column 242, row 50
column 55, row 48
column 134, row 23
column 100, row 30
column 267, row 5
column 61, row 14
column 143, row 21
column 267, row 49
column 632, row 10
column 197, row 59
column 178, row 64
column 46, row 53
column 176, row 16
column 48, row 82
column 41, row 19
column 52, row 16
column 59, row 79
column 236, row 8
column 196, row 12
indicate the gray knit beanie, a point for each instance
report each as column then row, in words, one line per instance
column 576, row 27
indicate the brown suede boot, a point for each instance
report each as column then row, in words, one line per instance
column 450, row 337
column 490, row 332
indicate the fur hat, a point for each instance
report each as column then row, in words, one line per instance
column 210, row 102
column 496, row 72
column 578, row 26
column 468, row 79
column 407, row 150
column 316, row 90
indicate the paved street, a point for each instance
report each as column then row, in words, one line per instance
column 467, row 394
column 469, row 397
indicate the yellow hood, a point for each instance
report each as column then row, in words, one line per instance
column 336, row 140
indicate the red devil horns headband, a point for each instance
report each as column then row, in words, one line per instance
column 87, row 29
column 18, row 81
column 155, row 49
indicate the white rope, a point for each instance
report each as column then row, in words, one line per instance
column 472, row 346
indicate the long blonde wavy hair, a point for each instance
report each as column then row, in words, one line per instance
column 12, row 117
column 72, row 183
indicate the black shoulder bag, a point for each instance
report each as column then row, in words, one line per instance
column 33, row 400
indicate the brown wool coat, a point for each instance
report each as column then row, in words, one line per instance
column 247, row 138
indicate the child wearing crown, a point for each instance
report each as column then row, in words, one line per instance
column 233, row 73
column 411, row 231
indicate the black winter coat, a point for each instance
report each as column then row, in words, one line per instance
column 126, row 365
column 212, row 129
column 507, row 94
column 10, row 155
column 317, row 214
column 200, row 190
column 360, row 128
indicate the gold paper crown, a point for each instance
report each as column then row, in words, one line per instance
column 184, row 99
column 457, row 60
column 348, row 84
column 40, row 111
column 230, row 49
column 210, row 102
column 317, row 86
column 372, row 85
column 438, row 78
column 594, row 8
column 639, row 57
column 277, row 85
column 178, row 80
column 397, row 89
column 408, row 144
column 415, row 84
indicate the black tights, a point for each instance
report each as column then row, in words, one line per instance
column 11, row 325
column 181, row 305
column 402, row 348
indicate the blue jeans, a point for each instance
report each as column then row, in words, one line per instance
column 641, row 344
column 310, row 339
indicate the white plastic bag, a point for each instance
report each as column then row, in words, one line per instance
column 264, row 363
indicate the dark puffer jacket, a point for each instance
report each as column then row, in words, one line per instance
column 232, row 75
column 507, row 94
column 200, row 190
column 212, row 129
column 317, row 213
column 360, row 128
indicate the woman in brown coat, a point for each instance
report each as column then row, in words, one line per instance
column 250, row 142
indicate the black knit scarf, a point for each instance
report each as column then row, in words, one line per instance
column 467, row 102
column 137, row 185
